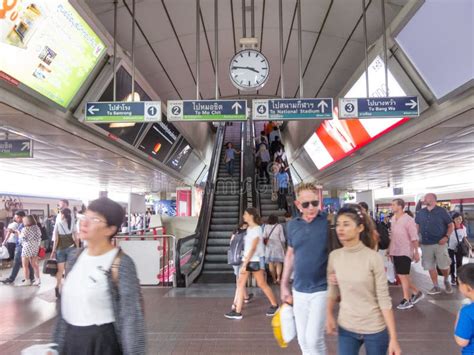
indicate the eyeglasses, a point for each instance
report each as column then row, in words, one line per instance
column 314, row 203
column 83, row 218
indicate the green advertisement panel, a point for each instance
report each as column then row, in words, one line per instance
column 47, row 46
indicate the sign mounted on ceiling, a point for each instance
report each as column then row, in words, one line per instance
column 123, row 112
column 16, row 148
column 207, row 110
column 47, row 47
column 379, row 107
column 292, row 109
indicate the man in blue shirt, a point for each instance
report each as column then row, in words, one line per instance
column 464, row 333
column 307, row 257
column 435, row 225
column 17, row 259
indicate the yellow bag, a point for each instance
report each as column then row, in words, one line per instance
column 284, row 326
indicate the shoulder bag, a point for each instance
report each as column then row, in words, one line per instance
column 265, row 240
column 462, row 248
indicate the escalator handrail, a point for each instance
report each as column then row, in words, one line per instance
column 256, row 172
column 243, row 148
column 204, row 220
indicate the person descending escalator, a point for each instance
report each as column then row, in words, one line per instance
column 230, row 157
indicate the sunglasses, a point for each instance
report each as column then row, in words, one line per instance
column 314, row 203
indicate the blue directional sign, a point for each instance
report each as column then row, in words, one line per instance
column 379, row 107
column 292, row 109
column 207, row 110
column 16, row 148
column 123, row 112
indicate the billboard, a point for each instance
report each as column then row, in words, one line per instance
column 159, row 141
column 47, row 47
column 180, row 156
column 336, row 139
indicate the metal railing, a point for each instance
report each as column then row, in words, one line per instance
column 167, row 254
column 190, row 250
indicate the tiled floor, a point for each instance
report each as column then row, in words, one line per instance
column 190, row 321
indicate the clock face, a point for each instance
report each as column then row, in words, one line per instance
column 249, row 70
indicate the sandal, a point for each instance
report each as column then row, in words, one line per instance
column 247, row 300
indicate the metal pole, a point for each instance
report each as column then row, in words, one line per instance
column 114, row 59
column 133, row 51
column 252, row 19
column 198, row 49
column 280, row 25
column 300, row 50
column 216, row 45
column 364, row 12
column 244, row 20
column 385, row 59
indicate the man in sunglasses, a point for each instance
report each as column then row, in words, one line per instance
column 307, row 257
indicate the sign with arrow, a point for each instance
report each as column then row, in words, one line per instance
column 292, row 109
column 16, row 148
column 207, row 110
column 123, row 112
column 379, row 107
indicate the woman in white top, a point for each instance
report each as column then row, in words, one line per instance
column 274, row 236
column 253, row 251
column 459, row 235
column 101, row 305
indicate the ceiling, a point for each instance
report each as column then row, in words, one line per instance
column 61, row 157
column 332, row 38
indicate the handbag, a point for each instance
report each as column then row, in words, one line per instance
column 50, row 267
column 4, row 254
column 41, row 252
column 462, row 248
column 265, row 240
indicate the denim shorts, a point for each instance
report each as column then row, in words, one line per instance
column 63, row 254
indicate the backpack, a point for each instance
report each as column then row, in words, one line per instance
column 44, row 234
column 234, row 254
column 384, row 235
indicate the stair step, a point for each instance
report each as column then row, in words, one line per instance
column 234, row 208
column 218, row 242
column 215, row 258
column 226, row 198
column 222, row 228
column 227, row 203
column 219, row 234
column 221, row 214
column 217, row 267
column 233, row 221
column 217, row 249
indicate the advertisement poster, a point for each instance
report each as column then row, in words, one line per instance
column 46, row 46
column 180, row 156
column 167, row 207
column 336, row 139
column 159, row 140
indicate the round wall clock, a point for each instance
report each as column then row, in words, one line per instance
column 249, row 70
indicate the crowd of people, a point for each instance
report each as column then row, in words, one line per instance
column 319, row 266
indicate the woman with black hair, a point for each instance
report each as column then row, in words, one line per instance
column 65, row 242
column 253, row 251
column 103, row 281
column 365, row 310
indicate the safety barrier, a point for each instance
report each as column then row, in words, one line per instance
column 154, row 256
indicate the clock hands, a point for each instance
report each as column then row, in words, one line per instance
column 248, row 68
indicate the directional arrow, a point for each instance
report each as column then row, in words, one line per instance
column 322, row 106
column 412, row 104
column 25, row 146
column 236, row 106
column 92, row 110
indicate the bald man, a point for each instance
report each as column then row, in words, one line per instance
column 435, row 226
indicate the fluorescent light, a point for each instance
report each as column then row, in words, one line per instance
column 121, row 125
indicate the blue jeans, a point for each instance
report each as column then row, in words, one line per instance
column 349, row 343
column 17, row 265
column 230, row 167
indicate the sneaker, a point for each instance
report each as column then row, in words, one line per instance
column 414, row 299
column 404, row 304
column 24, row 283
column 453, row 281
column 233, row 315
column 447, row 287
column 434, row 291
column 37, row 282
column 6, row 282
column 271, row 311
column 249, row 298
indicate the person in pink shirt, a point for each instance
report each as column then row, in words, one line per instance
column 403, row 249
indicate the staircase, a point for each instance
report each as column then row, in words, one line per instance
column 225, row 215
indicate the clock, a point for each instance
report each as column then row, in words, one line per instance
column 249, row 70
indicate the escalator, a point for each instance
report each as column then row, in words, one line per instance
column 225, row 214
column 202, row 256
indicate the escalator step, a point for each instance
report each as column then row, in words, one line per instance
column 221, row 250
column 233, row 221
column 222, row 227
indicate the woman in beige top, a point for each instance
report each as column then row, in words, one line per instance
column 356, row 274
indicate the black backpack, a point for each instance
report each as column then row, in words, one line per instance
column 384, row 235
